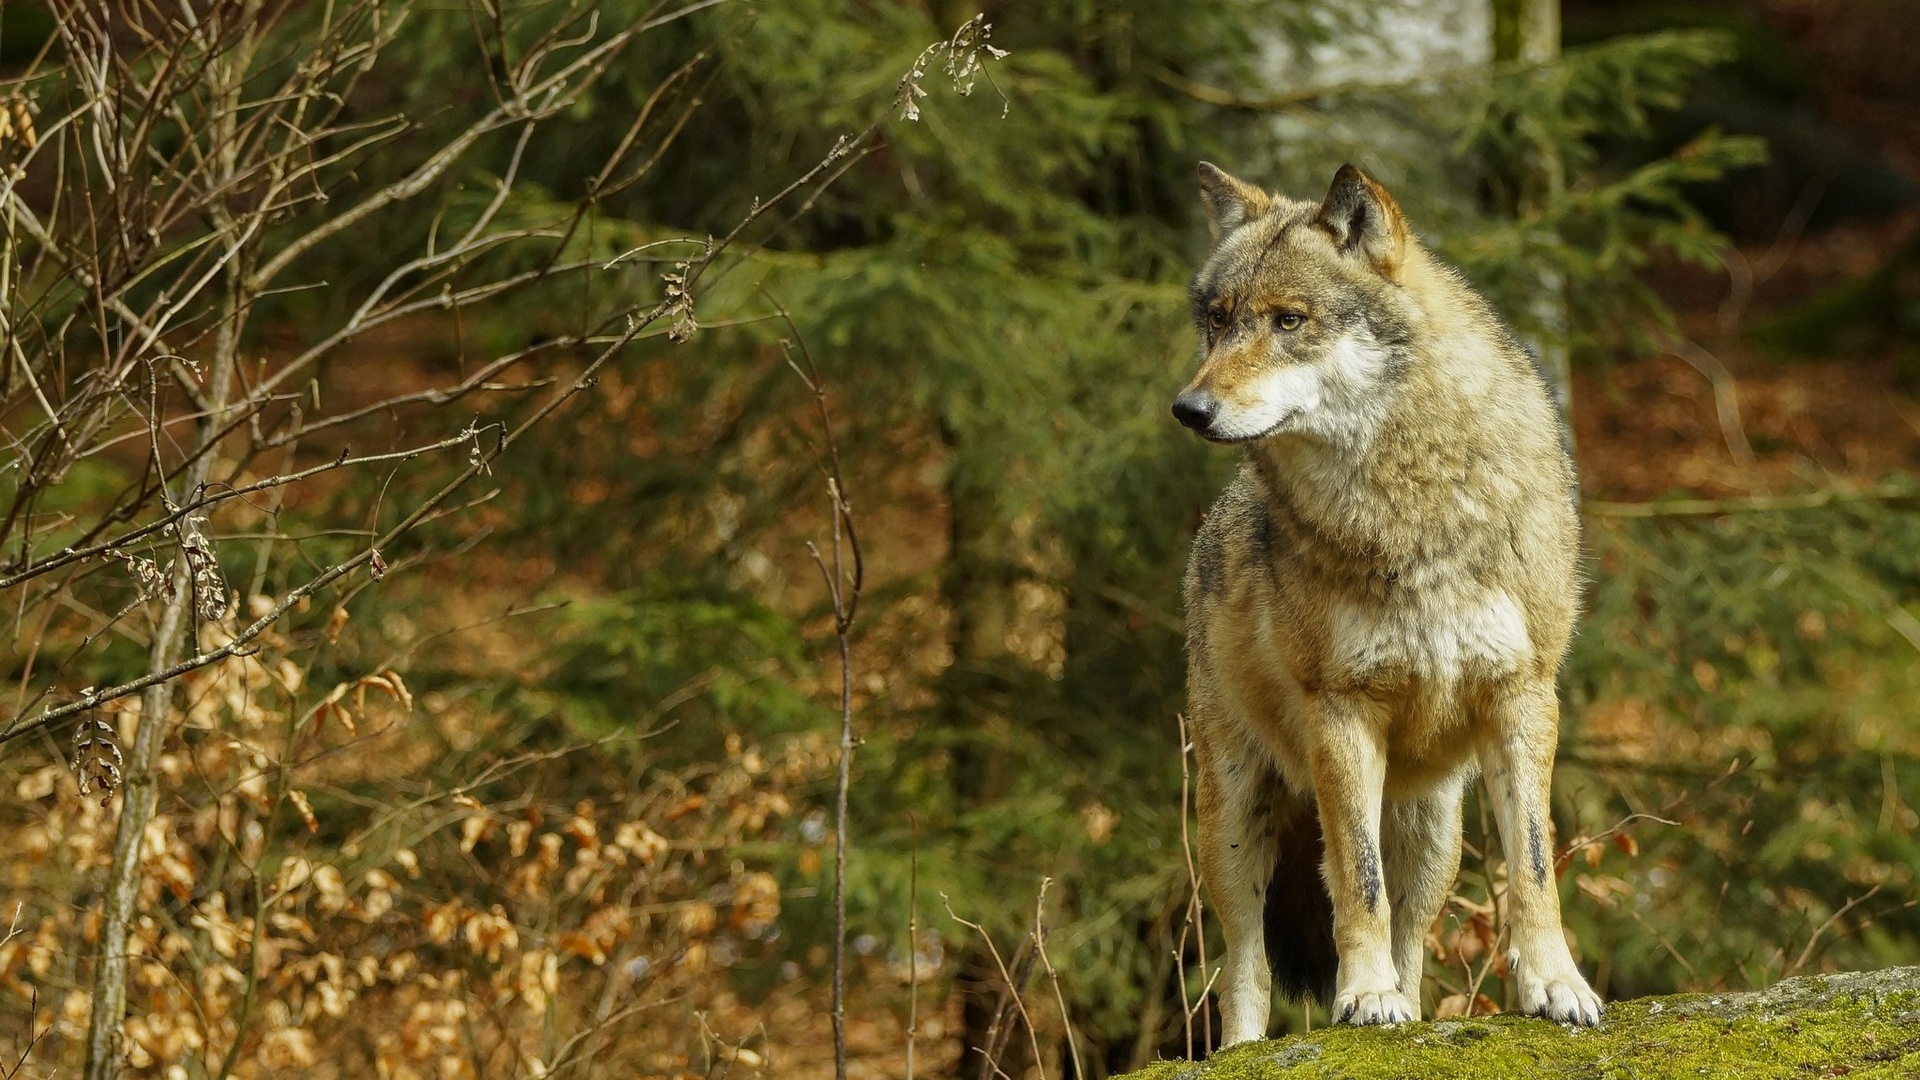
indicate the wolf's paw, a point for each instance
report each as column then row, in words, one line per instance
column 1374, row 1007
column 1564, row 1000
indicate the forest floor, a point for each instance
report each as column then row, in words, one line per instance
column 1651, row 427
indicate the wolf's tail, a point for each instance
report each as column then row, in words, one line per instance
column 1299, row 913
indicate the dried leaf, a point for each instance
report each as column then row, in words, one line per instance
column 96, row 758
column 331, row 886
column 443, row 921
column 698, row 919
column 377, row 565
column 491, row 932
column 293, row 873
column 1099, row 822
column 583, row 946
column 16, row 123
column 539, row 979
column 1603, row 887
column 550, row 850
column 583, row 831
column 37, row 784
column 300, row 803
column 756, row 899
column 474, row 829
column 331, row 705
column 1462, row 1005
column 390, row 682
column 644, row 842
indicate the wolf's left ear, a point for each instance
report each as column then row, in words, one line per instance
column 1231, row 203
column 1364, row 220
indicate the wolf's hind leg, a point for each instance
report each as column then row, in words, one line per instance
column 1236, row 802
column 1516, row 757
column 1420, row 845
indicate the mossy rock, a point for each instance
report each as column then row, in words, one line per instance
column 1859, row 1025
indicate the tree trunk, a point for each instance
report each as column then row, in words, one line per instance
column 140, row 794
column 1528, row 32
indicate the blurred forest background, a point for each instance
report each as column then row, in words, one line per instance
column 417, row 666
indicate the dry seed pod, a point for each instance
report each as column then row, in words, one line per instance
column 96, row 758
column 680, row 306
column 147, row 575
column 203, row 566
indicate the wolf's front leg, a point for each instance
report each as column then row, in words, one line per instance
column 1236, row 859
column 1516, row 757
column 1349, row 773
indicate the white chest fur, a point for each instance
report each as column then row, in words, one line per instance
column 1440, row 633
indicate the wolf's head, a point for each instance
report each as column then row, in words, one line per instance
column 1302, row 311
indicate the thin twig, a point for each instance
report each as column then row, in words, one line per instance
column 1053, row 977
column 1566, row 855
column 1806, row 954
column 1007, row 981
column 844, row 592
column 1195, row 909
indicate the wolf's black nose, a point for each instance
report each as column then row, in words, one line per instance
column 1196, row 409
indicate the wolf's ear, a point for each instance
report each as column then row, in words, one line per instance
column 1364, row 220
column 1230, row 203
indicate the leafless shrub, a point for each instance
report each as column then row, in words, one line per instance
column 164, row 173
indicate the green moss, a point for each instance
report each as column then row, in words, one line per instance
column 1858, row 1025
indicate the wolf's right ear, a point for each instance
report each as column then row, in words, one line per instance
column 1230, row 203
column 1364, row 220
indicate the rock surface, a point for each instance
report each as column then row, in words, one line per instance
column 1859, row 1025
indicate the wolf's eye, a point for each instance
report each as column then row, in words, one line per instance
column 1216, row 319
column 1289, row 320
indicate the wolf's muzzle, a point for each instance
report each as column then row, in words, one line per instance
column 1196, row 409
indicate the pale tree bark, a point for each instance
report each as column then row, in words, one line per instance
column 1528, row 32
column 1408, row 45
column 140, row 794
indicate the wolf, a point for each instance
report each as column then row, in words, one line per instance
column 1377, row 606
